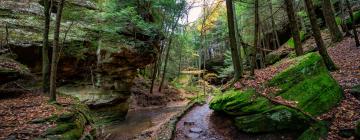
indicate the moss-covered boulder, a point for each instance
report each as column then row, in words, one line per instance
column 277, row 118
column 240, row 103
column 306, row 83
column 70, row 125
column 315, row 132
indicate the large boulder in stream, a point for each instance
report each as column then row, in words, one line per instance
column 306, row 84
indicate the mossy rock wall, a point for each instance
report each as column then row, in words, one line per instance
column 70, row 125
column 306, row 82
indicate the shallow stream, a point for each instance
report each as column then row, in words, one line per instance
column 138, row 121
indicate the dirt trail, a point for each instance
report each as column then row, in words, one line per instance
column 201, row 123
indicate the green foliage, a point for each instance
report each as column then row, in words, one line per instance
column 338, row 20
column 228, row 69
column 356, row 15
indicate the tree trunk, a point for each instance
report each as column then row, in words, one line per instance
column 353, row 23
column 256, row 39
column 329, row 16
column 238, row 44
column 317, row 35
column 180, row 61
column 55, row 51
column 153, row 77
column 159, row 65
column 45, row 49
column 165, row 64
column 233, row 43
column 295, row 33
column 173, row 27
column 343, row 10
column 275, row 35
column 7, row 35
column 98, row 63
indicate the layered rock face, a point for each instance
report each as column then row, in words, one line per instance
column 10, row 70
column 117, row 71
column 104, row 67
column 306, row 84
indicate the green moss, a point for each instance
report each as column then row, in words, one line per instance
column 218, row 102
column 73, row 134
column 70, row 125
column 60, row 128
column 279, row 118
column 239, row 103
column 272, row 58
column 338, row 20
column 310, row 84
column 291, row 42
column 307, row 65
column 315, row 95
column 315, row 132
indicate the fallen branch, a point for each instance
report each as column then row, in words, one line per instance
column 275, row 101
column 228, row 85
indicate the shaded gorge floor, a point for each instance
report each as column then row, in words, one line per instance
column 202, row 123
column 141, row 123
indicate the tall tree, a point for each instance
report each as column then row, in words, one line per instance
column 272, row 18
column 295, row 33
column 328, row 12
column 166, row 62
column 171, row 36
column 353, row 23
column 45, row 49
column 256, row 39
column 55, row 51
column 317, row 35
column 236, row 58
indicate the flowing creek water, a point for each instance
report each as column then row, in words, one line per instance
column 138, row 121
column 202, row 123
column 199, row 123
